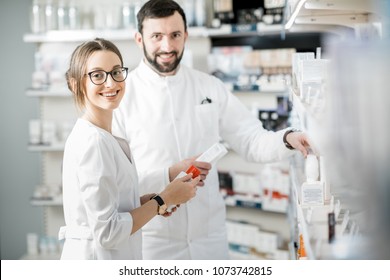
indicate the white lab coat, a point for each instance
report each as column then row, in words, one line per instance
column 100, row 187
column 165, row 122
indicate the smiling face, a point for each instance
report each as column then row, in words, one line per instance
column 107, row 96
column 162, row 41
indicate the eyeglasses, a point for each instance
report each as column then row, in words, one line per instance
column 99, row 77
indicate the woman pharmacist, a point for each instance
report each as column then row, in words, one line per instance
column 102, row 208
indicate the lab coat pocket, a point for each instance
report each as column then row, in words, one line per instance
column 78, row 249
column 206, row 118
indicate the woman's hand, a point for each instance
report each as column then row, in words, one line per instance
column 180, row 190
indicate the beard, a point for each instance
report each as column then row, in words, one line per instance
column 164, row 67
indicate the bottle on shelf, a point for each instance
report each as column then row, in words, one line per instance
column 312, row 191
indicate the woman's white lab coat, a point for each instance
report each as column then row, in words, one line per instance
column 165, row 121
column 100, row 188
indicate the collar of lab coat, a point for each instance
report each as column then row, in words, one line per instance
column 147, row 71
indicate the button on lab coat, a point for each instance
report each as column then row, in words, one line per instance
column 100, row 188
column 165, row 122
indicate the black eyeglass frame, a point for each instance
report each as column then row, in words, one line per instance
column 125, row 69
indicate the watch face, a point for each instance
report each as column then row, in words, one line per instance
column 162, row 209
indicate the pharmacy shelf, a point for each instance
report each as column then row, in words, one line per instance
column 255, row 89
column 240, row 252
column 244, row 30
column 252, row 204
column 46, row 148
column 56, row 36
column 47, row 93
column 260, row 92
column 50, row 201
column 312, row 221
column 53, row 256
column 111, row 34
column 309, row 115
column 311, row 120
column 255, row 202
column 328, row 12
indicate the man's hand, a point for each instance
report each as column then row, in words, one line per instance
column 183, row 165
column 299, row 141
column 204, row 168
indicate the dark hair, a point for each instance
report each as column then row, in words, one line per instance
column 78, row 65
column 159, row 9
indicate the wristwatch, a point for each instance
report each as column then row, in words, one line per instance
column 162, row 207
column 288, row 146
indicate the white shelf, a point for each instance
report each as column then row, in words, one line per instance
column 313, row 220
column 83, row 35
column 307, row 113
column 362, row 6
column 244, row 29
column 328, row 12
column 312, row 121
column 78, row 36
column 46, row 148
column 56, row 36
column 253, row 202
column 260, row 92
column 348, row 20
column 55, row 201
column 47, row 93
column 54, row 256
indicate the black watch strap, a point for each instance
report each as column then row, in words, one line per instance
column 162, row 207
column 288, row 146
column 159, row 200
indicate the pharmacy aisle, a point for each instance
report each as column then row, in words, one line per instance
column 341, row 193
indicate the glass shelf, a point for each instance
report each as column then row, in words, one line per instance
column 46, row 148
column 52, row 201
column 128, row 34
column 47, row 93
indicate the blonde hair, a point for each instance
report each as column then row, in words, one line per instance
column 78, row 66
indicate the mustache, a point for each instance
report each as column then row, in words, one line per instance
column 162, row 53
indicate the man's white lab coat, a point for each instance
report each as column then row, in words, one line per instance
column 100, row 187
column 165, row 122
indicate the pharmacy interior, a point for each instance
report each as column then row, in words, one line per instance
column 317, row 65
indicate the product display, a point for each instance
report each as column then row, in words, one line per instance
column 253, row 64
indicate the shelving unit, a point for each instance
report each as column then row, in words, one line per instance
column 309, row 15
column 312, row 229
column 47, row 93
column 46, row 148
column 250, row 202
column 254, row 210
column 56, row 201
column 336, row 132
column 328, row 12
column 56, row 107
column 228, row 30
